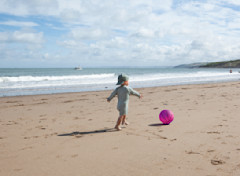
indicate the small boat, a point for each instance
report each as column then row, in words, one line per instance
column 78, row 68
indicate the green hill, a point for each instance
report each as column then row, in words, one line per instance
column 225, row 64
column 193, row 65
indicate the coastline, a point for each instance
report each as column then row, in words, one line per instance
column 71, row 133
column 113, row 87
column 47, row 81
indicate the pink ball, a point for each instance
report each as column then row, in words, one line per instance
column 166, row 116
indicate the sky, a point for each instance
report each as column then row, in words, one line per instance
column 105, row 33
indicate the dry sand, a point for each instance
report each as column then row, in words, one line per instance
column 72, row 134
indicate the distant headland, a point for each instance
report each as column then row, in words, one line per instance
column 224, row 64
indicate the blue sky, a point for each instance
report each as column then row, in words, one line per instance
column 98, row 33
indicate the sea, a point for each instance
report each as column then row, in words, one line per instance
column 34, row 81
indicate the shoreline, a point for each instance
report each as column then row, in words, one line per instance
column 40, row 82
column 72, row 133
column 58, row 93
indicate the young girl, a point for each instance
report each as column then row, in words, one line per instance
column 123, row 93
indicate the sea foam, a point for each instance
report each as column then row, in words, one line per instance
column 30, row 81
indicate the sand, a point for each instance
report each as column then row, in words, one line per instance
column 72, row 134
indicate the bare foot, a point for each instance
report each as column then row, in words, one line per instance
column 118, row 128
column 125, row 123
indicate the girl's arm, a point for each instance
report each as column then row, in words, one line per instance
column 113, row 94
column 134, row 92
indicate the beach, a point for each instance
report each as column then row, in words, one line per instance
column 72, row 133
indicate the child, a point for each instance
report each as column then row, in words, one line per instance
column 123, row 93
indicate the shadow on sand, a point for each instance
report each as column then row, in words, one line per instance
column 157, row 124
column 76, row 133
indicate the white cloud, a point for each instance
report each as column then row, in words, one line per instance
column 88, row 33
column 27, row 37
column 19, row 23
column 69, row 43
column 232, row 2
column 22, row 37
column 29, row 7
column 144, row 31
column 3, row 36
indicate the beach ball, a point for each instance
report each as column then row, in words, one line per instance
column 166, row 117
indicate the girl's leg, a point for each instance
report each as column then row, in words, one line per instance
column 120, row 118
column 124, row 122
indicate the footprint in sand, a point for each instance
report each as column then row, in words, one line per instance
column 40, row 103
column 12, row 101
column 191, row 152
column 68, row 101
column 19, row 105
column 74, row 156
column 53, row 134
column 68, row 112
column 17, row 170
column 78, row 136
column 217, row 162
column 25, row 148
column 11, row 123
column 213, row 132
column 210, row 151
column 54, row 120
column 159, row 136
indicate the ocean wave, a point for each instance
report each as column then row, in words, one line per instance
column 181, row 76
column 54, row 78
column 31, row 84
